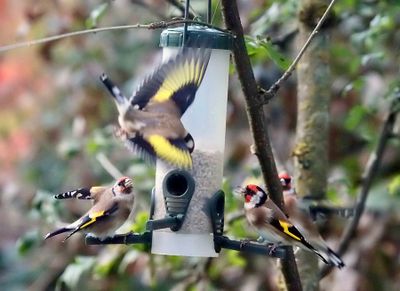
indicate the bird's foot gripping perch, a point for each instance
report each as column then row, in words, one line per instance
column 216, row 206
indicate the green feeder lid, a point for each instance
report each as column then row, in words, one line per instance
column 195, row 36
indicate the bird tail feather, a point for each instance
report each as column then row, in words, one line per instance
column 334, row 259
column 57, row 232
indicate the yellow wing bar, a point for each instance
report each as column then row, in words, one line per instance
column 93, row 217
column 185, row 72
column 287, row 227
column 169, row 152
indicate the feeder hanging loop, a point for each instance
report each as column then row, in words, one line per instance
column 185, row 25
column 209, row 6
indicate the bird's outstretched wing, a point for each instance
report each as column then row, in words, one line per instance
column 174, row 151
column 177, row 79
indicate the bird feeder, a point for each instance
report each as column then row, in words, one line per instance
column 205, row 120
column 187, row 208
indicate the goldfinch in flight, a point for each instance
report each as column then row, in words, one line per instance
column 274, row 226
column 111, row 207
column 150, row 120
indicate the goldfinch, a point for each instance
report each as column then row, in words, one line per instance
column 150, row 119
column 315, row 209
column 111, row 207
column 304, row 223
column 275, row 227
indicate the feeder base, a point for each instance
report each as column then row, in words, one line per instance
column 179, row 244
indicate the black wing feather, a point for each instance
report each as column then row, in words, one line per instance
column 81, row 193
column 151, row 85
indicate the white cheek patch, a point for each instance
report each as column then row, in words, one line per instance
column 255, row 199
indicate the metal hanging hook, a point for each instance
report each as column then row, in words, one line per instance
column 186, row 17
column 209, row 11
column 185, row 25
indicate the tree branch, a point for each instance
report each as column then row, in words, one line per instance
column 153, row 10
column 150, row 26
column 181, row 7
column 255, row 114
column 266, row 96
column 368, row 176
column 108, row 166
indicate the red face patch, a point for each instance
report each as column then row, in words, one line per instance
column 247, row 197
column 253, row 188
column 285, row 176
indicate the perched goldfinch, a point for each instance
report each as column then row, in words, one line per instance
column 150, row 119
column 303, row 221
column 274, row 226
column 316, row 209
column 111, row 207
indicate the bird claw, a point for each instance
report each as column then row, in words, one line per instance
column 120, row 133
column 272, row 248
column 243, row 243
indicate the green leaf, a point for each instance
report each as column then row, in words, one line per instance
column 96, row 15
column 74, row 273
column 355, row 117
column 107, row 262
column 140, row 221
column 235, row 259
column 28, row 242
column 394, row 186
column 278, row 58
column 263, row 48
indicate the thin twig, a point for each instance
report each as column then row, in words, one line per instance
column 181, row 7
column 368, row 176
column 152, row 9
column 108, row 166
column 151, row 26
column 266, row 96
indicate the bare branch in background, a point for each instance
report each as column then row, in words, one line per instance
column 108, row 166
column 177, row 4
column 266, row 96
column 150, row 26
column 152, row 9
column 368, row 176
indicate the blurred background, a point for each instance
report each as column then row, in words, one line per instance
column 56, row 132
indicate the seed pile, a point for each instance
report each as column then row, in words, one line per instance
column 207, row 173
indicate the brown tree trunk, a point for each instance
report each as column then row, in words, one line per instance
column 311, row 149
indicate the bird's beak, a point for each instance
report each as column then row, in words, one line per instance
column 238, row 191
column 129, row 184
